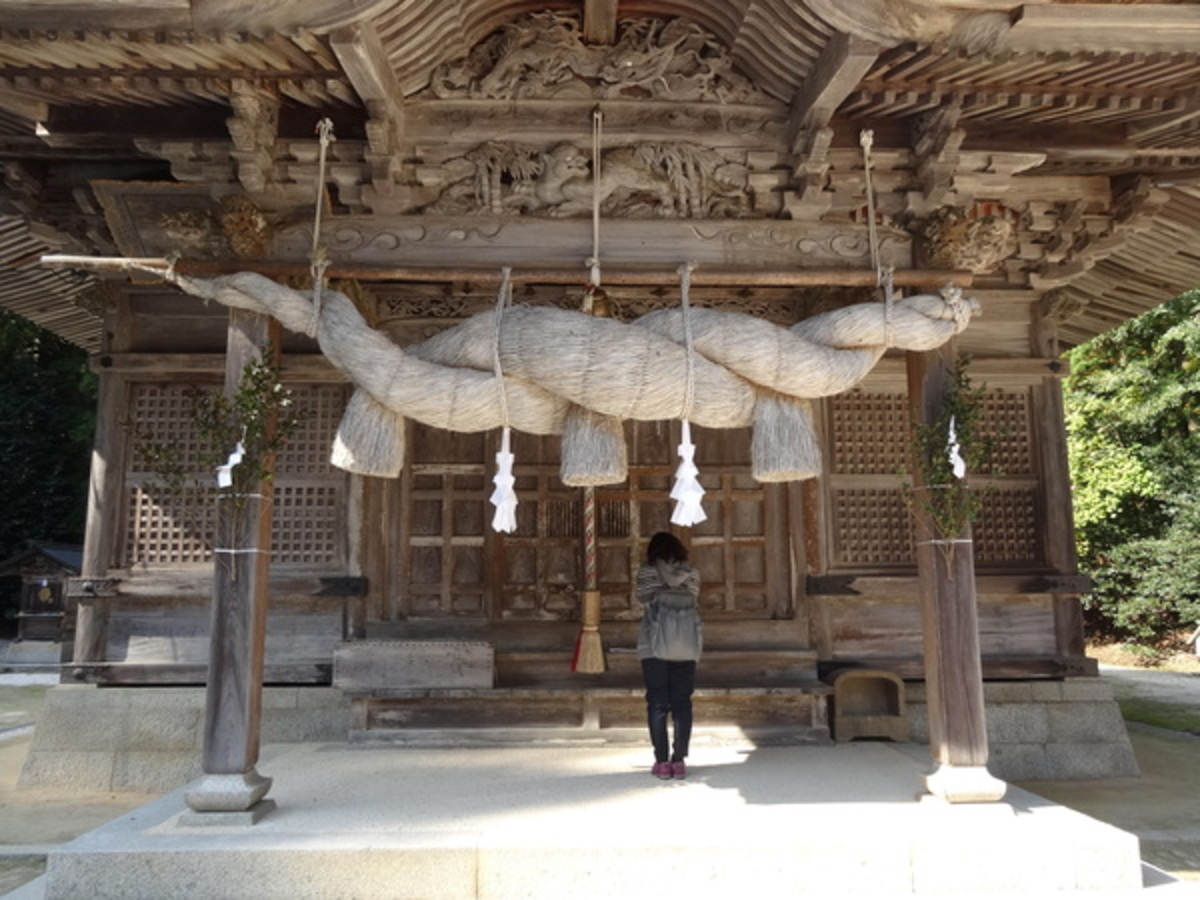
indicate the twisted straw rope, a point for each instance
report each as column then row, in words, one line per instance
column 554, row 358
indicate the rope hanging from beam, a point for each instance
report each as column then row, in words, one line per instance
column 580, row 376
column 318, row 258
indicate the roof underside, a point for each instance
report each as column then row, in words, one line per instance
column 1094, row 97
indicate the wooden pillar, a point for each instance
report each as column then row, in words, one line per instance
column 1050, row 439
column 104, row 497
column 232, row 791
column 953, row 669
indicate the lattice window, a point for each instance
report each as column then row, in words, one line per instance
column 1006, row 531
column 307, row 449
column 306, row 527
column 870, row 433
column 173, row 528
column 163, row 413
column 1006, row 421
column 874, row 528
column 164, row 529
column 869, row 444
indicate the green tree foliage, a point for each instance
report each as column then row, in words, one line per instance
column 47, row 418
column 1133, row 427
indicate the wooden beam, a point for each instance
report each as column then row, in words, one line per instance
column 75, row 126
column 1058, row 141
column 645, row 277
column 309, row 367
column 24, row 106
column 314, row 673
column 196, row 583
column 599, row 21
column 361, row 53
column 1142, row 27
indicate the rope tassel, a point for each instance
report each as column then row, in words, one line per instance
column 504, row 498
column 687, row 492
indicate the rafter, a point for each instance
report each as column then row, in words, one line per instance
column 599, row 21
column 362, row 56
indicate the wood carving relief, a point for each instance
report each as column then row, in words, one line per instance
column 978, row 239
column 234, row 225
column 642, row 180
column 543, row 56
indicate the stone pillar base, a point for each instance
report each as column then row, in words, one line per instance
column 189, row 818
column 222, row 795
column 965, row 784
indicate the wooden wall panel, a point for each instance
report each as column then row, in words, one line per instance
column 862, row 629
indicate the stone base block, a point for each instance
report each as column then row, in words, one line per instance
column 1045, row 730
column 149, row 739
column 380, row 666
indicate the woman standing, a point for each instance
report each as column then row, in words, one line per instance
column 669, row 645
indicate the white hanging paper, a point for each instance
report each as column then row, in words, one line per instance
column 957, row 463
column 687, row 492
column 225, row 472
column 504, row 498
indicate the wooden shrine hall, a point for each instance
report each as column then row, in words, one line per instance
column 456, row 219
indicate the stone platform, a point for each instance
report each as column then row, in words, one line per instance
column 590, row 822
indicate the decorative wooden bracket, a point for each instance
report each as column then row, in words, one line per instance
column 254, row 128
column 362, row 56
column 1081, row 239
column 836, row 73
column 936, row 143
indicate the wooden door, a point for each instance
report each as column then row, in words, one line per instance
column 455, row 565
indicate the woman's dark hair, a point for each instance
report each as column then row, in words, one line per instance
column 667, row 547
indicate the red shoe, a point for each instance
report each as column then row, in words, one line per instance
column 678, row 769
column 662, row 770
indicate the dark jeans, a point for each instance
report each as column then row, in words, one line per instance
column 669, row 687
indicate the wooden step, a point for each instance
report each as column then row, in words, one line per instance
column 585, row 715
column 725, row 668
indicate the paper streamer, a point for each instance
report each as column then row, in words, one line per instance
column 957, row 463
column 225, row 472
column 687, row 492
column 504, row 498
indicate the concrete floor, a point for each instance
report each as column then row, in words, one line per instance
column 583, row 823
column 608, row 796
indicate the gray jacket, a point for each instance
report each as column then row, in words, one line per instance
column 652, row 578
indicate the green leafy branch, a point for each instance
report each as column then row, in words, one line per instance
column 261, row 415
column 942, row 501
